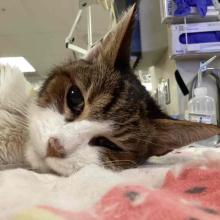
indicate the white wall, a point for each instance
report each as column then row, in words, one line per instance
column 165, row 68
column 153, row 33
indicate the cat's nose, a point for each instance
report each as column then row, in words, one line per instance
column 55, row 149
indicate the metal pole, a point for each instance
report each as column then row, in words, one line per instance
column 70, row 36
column 89, row 26
column 77, row 49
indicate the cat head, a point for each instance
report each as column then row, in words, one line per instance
column 95, row 111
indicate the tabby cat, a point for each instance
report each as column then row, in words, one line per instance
column 95, row 111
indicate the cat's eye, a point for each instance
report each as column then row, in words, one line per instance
column 75, row 100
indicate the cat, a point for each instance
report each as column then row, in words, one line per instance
column 95, row 111
column 14, row 99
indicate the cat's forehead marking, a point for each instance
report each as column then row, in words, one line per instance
column 96, row 83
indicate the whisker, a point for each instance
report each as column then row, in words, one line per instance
column 113, row 162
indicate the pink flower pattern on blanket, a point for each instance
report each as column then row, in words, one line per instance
column 193, row 195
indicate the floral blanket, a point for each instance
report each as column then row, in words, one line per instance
column 188, row 190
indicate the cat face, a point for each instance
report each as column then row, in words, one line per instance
column 95, row 111
column 88, row 113
column 87, row 109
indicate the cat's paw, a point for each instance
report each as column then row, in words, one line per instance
column 14, row 88
column 63, row 167
column 71, row 163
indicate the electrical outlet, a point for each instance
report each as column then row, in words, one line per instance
column 164, row 88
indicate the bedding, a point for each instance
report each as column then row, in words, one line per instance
column 183, row 184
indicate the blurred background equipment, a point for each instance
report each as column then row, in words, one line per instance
column 86, row 10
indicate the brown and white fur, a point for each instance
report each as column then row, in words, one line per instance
column 117, row 125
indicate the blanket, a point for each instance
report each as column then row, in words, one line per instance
column 183, row 184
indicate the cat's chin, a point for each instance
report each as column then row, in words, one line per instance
column 49, row 133
column 34, row 160
column 49, row 165
column 84, row 156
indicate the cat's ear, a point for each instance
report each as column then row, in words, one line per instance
column 172, row 134
column 114, row 48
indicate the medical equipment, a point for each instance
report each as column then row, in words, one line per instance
column 85, row 7
column 194, row 39
column 168, row 8
column 115, row 9
column 183, row 7
column 202, row 108
column 206, row 81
